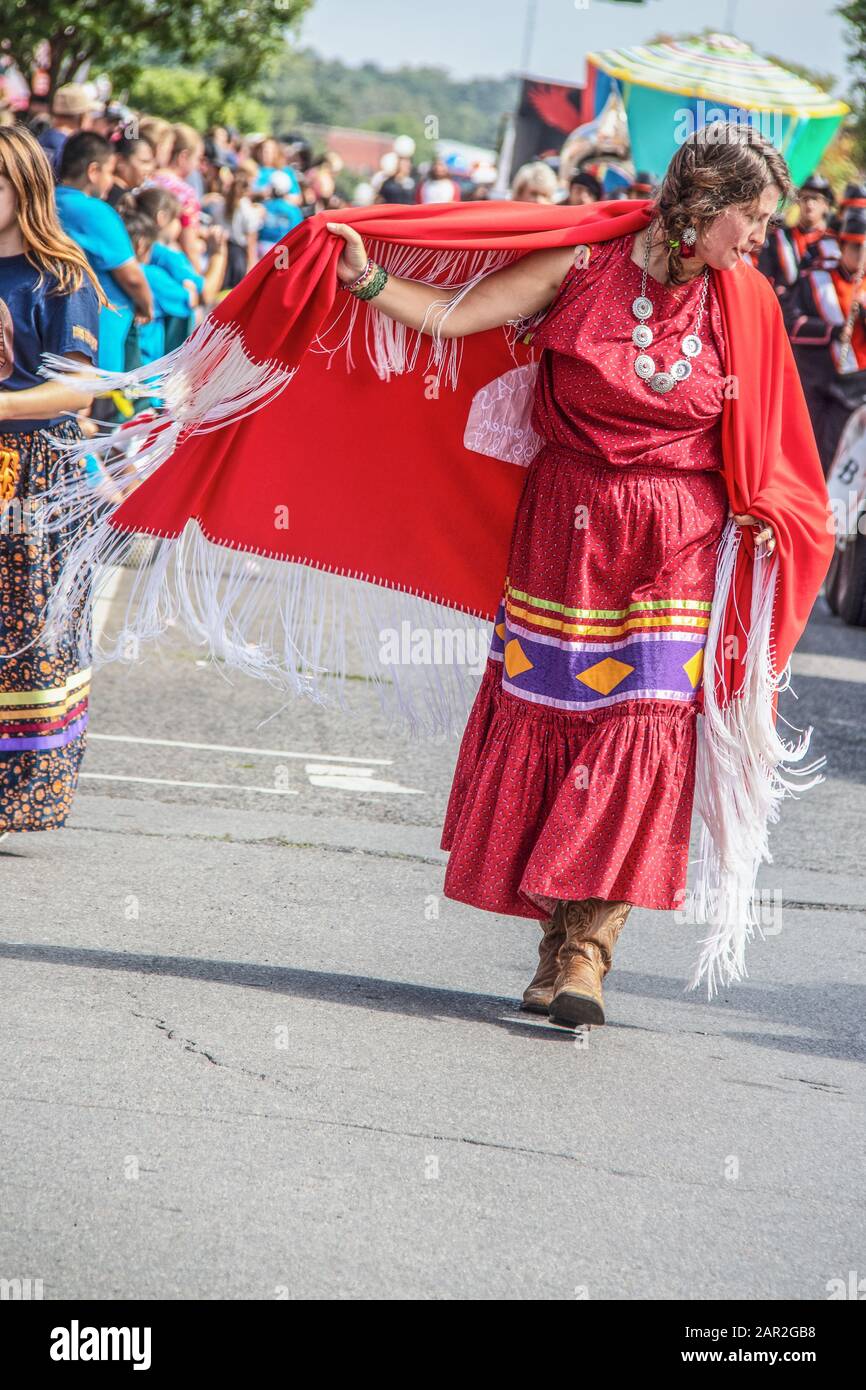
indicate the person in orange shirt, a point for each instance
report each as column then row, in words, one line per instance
column 825, row 312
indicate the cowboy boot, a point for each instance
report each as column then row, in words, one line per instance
column 591, row 931
column 539, row 992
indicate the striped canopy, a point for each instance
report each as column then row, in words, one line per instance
column 670, row 89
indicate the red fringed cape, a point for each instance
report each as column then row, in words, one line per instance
column 295, row 400
column 375, row 475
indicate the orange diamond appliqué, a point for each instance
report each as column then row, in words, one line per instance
column 516, row 660
column 605, row 675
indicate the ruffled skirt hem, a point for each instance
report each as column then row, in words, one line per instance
column 548, row 804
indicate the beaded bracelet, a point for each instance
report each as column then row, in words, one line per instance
column 353, row 285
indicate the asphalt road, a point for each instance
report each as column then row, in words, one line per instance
column 250, row 1051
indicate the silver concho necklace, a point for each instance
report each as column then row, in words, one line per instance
column 642, row 336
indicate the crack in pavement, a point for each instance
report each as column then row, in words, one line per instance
column 796, row 1194
column 279, row 842
column 269, row 842
column 823, row 907
column 190, row 1045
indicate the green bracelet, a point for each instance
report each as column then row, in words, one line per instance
column 374, row 285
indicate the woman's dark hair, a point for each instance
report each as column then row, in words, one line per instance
column 720, row 165
column 582, row 178
column 127, row 145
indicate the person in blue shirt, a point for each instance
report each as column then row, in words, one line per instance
column 280, row 215
column 268, row 155
column 172, row 298
column 196, row 290
column 86, row 176
column 49, row 303
column 164, row 209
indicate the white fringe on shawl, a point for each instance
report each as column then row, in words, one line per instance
column 205, row 383
column 302, row 629
column 744, row 773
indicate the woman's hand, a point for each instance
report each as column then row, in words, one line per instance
column 765, row 536
column 354, row 256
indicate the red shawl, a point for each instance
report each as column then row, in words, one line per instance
column 364, row 473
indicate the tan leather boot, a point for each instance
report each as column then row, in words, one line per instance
column 591, row 931
column 539, row 992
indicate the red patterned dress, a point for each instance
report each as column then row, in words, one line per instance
column 575, row 776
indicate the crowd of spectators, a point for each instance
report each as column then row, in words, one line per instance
column 170, row 218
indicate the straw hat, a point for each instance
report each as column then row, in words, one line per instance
column 71, row 100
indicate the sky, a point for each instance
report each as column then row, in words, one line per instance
column 487, row 38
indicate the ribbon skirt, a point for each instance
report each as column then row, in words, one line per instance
column 576, row 772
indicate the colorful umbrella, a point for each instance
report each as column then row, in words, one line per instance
column 671, row 89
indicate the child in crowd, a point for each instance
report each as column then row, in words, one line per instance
column 280, row 215
column 172, row 298
column 162, row 208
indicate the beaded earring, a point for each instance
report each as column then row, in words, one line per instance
column 687, row 243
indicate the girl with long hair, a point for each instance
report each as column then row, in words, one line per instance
column 241, row 219
column 49, row 302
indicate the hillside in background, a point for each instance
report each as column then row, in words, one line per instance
column 304, row 87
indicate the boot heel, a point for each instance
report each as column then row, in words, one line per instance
column 592, row 926
column 574, row 1010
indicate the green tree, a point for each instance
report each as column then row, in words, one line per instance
column 196, row 97
column 118, row 37
column 854, row 15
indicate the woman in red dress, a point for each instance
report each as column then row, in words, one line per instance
column 573, row 792
column 576, row 773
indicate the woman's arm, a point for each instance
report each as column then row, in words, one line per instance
column 133, row 281
column 44, row 402
column 191, row 247
column 216, row 268
column 514, row 292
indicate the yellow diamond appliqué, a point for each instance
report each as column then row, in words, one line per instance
column 694, row 666
column 500, row 631
column 516, row 660
column 605, row 675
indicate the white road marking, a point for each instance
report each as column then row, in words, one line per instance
column 103, row 600
column 207, row 786
column 353, row 779
column 228, row 748
column 330, row 770
column 831, row 668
